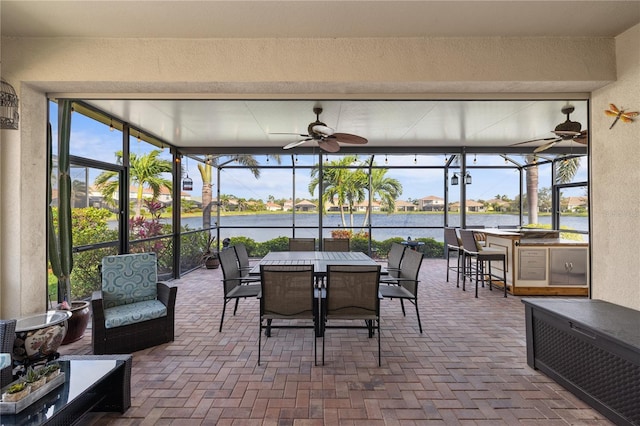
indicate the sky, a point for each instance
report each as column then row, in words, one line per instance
column 94, row 140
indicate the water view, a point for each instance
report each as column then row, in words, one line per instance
column 398, row 224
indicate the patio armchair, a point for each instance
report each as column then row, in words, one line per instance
column 407, row 282
column 7, row 336
column 132, row 311
column 302, row 244
column 352, row 294
column 335, row 244
column 287, row 293
column 235, row 285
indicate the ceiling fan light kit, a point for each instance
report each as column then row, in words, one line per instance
column 326, row 137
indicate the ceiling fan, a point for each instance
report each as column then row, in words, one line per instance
column 567, row 131
column 326, row 138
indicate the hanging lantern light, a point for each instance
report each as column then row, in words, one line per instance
column 8, row 106
column 187, row 182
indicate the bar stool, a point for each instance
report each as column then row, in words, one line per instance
column 453, row 245
column 482, row 254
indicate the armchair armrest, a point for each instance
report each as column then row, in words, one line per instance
column 97, row 306
column 167, row 294
column 98, row 331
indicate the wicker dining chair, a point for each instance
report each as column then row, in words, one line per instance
column 407, row 282
column 287, row 294
column 335, row 244
column 235, row 285
column 7, row 336
column 302, row 244
column 352, row 294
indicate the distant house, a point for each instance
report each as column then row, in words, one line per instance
column 431, row 204
column 331, row 207
column 272, row 207
column 362, row 207
column 472, row 206
column 405, row 206
column 575, row 203
column 497, row 204
column 305, row 206
column 288, row 205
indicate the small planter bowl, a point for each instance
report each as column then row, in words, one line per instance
column 37, row 384
column 17, row 396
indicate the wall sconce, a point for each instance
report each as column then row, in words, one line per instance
column 8, row 106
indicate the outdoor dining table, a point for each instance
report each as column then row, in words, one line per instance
column 320, row 260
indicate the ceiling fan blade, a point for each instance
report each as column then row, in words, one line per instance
column 566, row 134
column 546, row 146
column 534, row 140
column 296, row 134
column 323, row 130
column 296, row 143
column 329, row 145
column 349, row 138
column 582, row 138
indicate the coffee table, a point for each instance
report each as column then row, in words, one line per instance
column 92, row 383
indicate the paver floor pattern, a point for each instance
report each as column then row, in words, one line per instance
column 467, row 368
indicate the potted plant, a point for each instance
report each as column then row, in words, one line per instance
column 210, row 255
column 35, row 379
column 16, row 392
column 51, row 371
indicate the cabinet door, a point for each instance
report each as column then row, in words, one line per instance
column 568, row 266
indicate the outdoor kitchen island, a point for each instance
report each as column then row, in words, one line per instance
column 541, row 263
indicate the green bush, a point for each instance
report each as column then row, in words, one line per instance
column 89, row 226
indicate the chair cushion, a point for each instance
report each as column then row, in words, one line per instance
column 133, row 313
column 129, row 278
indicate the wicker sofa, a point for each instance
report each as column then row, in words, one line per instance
column 132, row 311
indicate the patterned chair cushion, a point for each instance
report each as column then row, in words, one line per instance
column 134, row 312
column 129, row 278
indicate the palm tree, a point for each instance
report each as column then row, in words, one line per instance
column 565, row 172
column 206, row 173
column 144, row 170
column 532, row 188
column 567, row 169
column 340, row 185
column 387, row 189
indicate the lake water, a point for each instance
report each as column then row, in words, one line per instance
column 395, row 225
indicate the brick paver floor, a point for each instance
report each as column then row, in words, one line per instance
column 468, row 367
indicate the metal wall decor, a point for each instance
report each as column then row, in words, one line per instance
column 8, row 106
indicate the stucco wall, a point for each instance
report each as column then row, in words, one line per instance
column 242, row 67
column 615, row 183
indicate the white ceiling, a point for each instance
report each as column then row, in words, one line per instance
column 410, row 124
